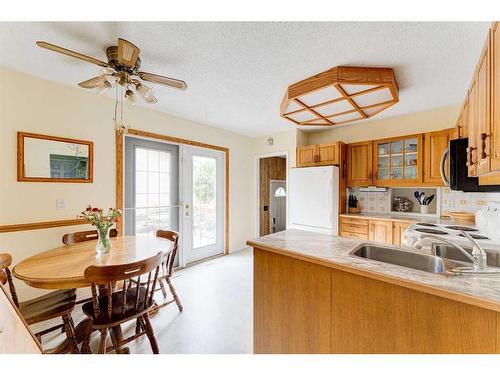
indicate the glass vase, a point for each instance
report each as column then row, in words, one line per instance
column 103, row 241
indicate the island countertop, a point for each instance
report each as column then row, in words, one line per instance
column 333, row 251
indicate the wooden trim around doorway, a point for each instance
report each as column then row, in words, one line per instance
column 120, row 168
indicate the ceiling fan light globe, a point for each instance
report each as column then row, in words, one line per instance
column 130, row 97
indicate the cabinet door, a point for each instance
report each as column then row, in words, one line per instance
column 306, row 156
column 460, row 130
column 398, row 161
column 495, row 99
column 398, row 228
column 380, row 231
column 471, row 124
column 435, row 144
column 359, row 164
column 328, row 154
column 483, row 111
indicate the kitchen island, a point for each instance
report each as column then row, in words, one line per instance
column 312, row 296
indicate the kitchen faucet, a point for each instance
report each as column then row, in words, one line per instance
column 478, row 257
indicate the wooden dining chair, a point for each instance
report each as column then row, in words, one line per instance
column 110, row 309
column 77, row 237
column 58, row 304
column 88, row 235
column 168, row 268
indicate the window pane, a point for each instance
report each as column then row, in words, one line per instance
column 164, row 161
column 141, row 182
column 164, row 183
column 141, row 200
column 153, row 200
column 164, row 200
column 153, row 161
column 141, row 159
column 153, row 183
column 204, row 201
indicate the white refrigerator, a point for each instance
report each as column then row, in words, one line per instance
column 313, row 195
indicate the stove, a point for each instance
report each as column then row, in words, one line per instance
column 431, row 231
column 451, row 233
column 476, row 236
column 458, row 227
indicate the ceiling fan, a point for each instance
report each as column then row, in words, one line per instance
column 122, row 68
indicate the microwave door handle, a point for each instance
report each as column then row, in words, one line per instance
column 442, row 167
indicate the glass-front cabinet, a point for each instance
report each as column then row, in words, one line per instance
column 398, row 161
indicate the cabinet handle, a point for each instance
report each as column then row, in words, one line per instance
column 483, row 145
column 470, row 162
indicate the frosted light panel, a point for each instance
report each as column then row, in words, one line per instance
column 321, row 96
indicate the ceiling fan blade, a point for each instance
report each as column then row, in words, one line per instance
column 64, row 51
column 161, row 80
column 127, row 53
column 92, row 83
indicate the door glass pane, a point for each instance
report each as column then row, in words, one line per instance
column 204, row 201
column 411, row 145
column 397, row 173
column 383, row 149
column 397, row 161
column 383, row 173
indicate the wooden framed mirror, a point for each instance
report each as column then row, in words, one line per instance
column 44, row 158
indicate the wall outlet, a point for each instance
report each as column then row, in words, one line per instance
column 61, row 204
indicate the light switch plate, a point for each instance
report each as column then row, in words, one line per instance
column 61, row 204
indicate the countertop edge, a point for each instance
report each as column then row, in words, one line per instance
column 424, row 288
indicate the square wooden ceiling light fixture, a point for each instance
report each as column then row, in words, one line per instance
column 340, row 95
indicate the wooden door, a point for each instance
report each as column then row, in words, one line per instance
column 435, row 144
column 380, row 231
column 328, row 154
column 483, row 111
column 495, row 97
column 359, row 163
column 306, row 156
column 398, row 228
column 471, row 125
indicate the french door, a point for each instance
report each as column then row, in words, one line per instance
column 203, row 202
column 151, row 187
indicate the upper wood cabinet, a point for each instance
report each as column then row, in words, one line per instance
column 471, row 127
column 359, row 163
column 495, row 98
column 398, row 161
column 306, row 156
column 482, row 115
column 461, row 129
column 317, row 155
column 435, row 144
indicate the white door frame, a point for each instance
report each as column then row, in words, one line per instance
column 257, row 185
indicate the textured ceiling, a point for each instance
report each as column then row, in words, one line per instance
column 237, row 72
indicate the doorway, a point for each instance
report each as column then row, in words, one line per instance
column 176, row 187
column 272, row 194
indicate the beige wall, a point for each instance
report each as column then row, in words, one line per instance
column 34, row 105
column 420, row 122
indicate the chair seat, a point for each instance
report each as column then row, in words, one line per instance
column 48, row 306
column 118, row 313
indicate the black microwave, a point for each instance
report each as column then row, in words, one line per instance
column 458, row 178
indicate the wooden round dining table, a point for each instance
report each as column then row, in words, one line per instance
column 64, row 267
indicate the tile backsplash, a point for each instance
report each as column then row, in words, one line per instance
column 380, row 202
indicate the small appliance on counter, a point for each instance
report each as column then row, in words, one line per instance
column 401, row 204
column 488, row 220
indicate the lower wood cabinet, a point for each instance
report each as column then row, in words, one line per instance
column 380, row 231
column 398, row 229
column 304, row 307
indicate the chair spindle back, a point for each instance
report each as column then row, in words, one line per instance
column 6, row 276
column 169, row 258
column 103, row 279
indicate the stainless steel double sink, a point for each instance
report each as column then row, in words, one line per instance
column 446, row 259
